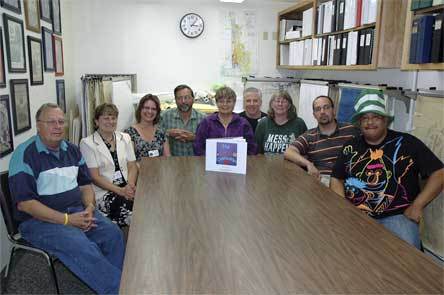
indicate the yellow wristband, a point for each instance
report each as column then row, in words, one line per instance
column 66, row 219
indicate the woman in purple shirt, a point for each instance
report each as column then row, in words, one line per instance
column 224, row 123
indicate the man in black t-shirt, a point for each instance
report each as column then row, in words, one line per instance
column 379, row 171
column 252, row 106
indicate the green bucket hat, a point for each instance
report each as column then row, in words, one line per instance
column 370, row 101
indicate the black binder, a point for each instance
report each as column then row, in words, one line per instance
column 369, row 45
column 337, row 50
column 438, row 39
column 344, row 45
column 334, row 15
column 340, row 15
column 413, row 41
column 361, row 46
column 324, row 58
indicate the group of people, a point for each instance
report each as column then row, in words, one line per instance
column 71, row 201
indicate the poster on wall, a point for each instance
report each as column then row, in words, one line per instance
column 56, row 22
column 15, row 44
column 13, row 5
column 58, row 55
column 32, row 15
column 45, row 10
column 20, row 105
column 241, row 42
column 6, row 137
column 48, row 51
column 35, row 60
column 2, row 62
column 60, row 89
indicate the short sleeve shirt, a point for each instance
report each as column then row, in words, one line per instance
column 53, row 179
column 383, row 180
column 144, row 148
column 323, row 150
column 171, row 119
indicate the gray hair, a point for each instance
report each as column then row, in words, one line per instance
column 44, row 107
column 253, row 90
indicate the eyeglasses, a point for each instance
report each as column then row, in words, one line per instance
column 325, row 108
column 53, row 123
column 367, row 119
column 281, row 101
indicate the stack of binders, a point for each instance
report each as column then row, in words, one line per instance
column 422, row 38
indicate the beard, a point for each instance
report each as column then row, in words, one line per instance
column 184, row 108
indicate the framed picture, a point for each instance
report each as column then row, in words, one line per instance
column 56, row 22
column 6, row 137
column 2, row 62
column 58, row 55
column 20, row 105
column 35, row 60
column 15, row 44
column 60, row 89
column 45, row 10
column 13, row 5
column 48, row 51
column 32, row 15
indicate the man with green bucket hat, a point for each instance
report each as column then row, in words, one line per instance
column 379, row 171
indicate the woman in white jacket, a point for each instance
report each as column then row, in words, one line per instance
column 109, row 155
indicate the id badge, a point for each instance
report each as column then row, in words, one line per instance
column 117, row 175
column 153, row 153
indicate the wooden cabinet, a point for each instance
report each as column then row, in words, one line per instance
column 407, row 38
column 387, row 40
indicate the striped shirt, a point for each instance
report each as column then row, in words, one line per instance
column 52, row 178
column 323, row 150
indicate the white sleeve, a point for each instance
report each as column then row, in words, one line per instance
column 130, row 155
column 88, row 154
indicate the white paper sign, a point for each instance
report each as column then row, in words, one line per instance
column 226, row 155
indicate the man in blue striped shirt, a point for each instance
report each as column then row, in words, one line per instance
column 54, row 204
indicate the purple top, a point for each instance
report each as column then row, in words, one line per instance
column 211, row 127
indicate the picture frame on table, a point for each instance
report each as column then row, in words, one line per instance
column 35, row 61
column 15, row 44
column 57, row 44
column 48, row 50
column 6, row 137
column 32, row 15
column 56, row 19
column 45, row 10
column 12, row 5
column 60, row 90
column 20, row 105
column 2, row 62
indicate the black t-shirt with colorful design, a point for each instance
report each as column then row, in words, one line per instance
column 383, row 180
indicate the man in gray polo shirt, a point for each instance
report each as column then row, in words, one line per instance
column 181, row 123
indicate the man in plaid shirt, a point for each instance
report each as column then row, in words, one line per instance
column 181, row 123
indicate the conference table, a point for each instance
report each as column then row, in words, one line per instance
column 275, row 230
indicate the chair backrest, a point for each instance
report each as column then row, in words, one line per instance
column 6, row 205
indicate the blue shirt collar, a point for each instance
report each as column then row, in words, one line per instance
column 41, row 147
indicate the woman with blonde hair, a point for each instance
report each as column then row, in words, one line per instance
column 282, row 126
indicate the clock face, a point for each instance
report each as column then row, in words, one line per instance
column 192, row 25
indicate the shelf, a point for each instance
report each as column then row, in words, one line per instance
column 348, row 30
column 428, row 9
column 287, row 41
column 370, row 67
column 405, row 65
column 296, row 9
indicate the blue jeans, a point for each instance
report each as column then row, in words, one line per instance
column 403, row 228
column 95, row 256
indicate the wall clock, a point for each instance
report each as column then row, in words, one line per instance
column 191, row 25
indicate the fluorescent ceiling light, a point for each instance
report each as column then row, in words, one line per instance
column 232, row 1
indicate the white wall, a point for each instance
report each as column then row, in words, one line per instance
column 144, row 38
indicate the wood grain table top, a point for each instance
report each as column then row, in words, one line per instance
column 275, row 230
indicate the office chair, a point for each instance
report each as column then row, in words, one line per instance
column 17, row 242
